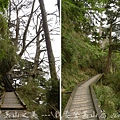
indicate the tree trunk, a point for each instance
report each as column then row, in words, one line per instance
column 108, row 61
column 17, row 29
column 48, row 42
column 107, row 69
column 37, row 55
column 58, row 4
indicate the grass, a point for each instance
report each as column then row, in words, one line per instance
column 108, row 101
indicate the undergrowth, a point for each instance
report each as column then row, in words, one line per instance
column 109, row 97
column 29, row 95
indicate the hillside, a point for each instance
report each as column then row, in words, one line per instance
column 83, row 57
column 80, row 57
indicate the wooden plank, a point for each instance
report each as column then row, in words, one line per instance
column 82, row 105
column 11, row 102
column 81, row 101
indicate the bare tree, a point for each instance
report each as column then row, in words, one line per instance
column 30, row 35
column 22, row 25
column 26, row 30
column 48, row 42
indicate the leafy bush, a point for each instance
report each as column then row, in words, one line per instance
column 7, row 49
column 107, row 99
column 3, row 5
column 113, row 81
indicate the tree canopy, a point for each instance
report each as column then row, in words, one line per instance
column 3, row 5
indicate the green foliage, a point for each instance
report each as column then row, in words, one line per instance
column 7, row 50
column 3, row 27
column 3, row 4
column 113, row 81
column 7, row 56
column 65, row 98
column 32, row 93
column 1, row 87
column 76, row 47
column 72, row 10
column 76, row 50
column 53, row 96
column 42, row 112
column 116, row 62
column 39, row 89
column 80, row 12
column 107, row 99
column 109, row 95
column 80, row 57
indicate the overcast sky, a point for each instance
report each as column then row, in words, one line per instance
column 51, row 7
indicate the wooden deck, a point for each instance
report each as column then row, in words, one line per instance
column 11, row 102
column 80, row 105
column 12, row 108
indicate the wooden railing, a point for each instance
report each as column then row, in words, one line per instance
column 99, row 113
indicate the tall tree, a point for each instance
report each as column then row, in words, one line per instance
column 7, row 50
column 58, row 4
column 112, row 12
column 48, row 42
column 53, row 101
column 27, row 35
column 26, row 30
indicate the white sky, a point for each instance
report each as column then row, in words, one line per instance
column 56, row 42
column 53, row 23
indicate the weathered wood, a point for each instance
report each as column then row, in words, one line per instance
column 80, row 105
column 12, row 108
column 10, row 101
column 101, row 116
column 21, row 101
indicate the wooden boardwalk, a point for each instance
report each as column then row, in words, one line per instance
column 11, row 101
column 80, row 105
column 12, row 108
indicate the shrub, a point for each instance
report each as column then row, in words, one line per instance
column 107, row 99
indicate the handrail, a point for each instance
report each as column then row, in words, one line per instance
column 2, row 99
column 100, row 115
column 21, row 101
